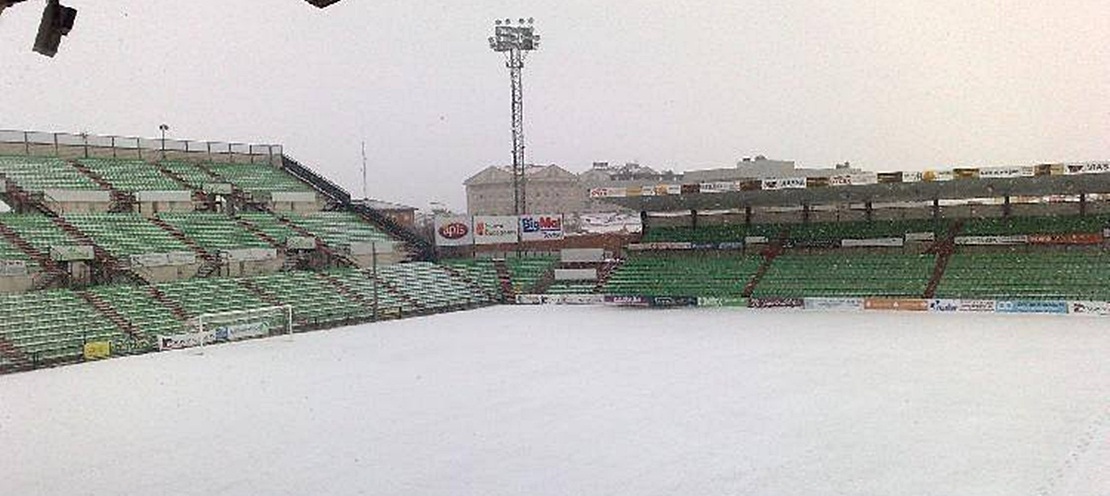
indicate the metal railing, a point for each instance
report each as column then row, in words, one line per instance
column 70, row 145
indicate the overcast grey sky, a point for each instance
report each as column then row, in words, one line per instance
column 888, row 85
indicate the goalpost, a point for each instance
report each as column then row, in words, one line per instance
column 232, row 325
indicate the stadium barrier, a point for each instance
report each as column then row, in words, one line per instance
column 833, row 304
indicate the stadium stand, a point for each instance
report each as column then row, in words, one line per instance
column 260, row 179
column 42, row 173
column 812, row 232
column 339, row 228
column 214, row 231
column 269, row 224
column 571, row 287
column 1056, row 224
column 1040, row 274
column 315, row 302
column 479, row 271
column 431, row 286
column 38, row 230
column 526, row 271
column 683, row 275
column 855, row 274
column 130, row 175
column 211, row 295
column 136, row 304
column 51, row 326
column 124, row 235
column 188, row 173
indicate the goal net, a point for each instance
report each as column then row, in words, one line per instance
column 234, row 325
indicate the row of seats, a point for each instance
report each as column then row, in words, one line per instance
column 834, row 231
column 53, row 325
column 479, row 271
column 526, row 271
column 1047, row 274
column 124, row 235
column 676, row 275
column 315, row 301
column 571, row 287
column 214, row 231
column 259, row 179
column 339, row 228
column 430, row 285
column 42, row 173
column 835, row 274
column 130, row 175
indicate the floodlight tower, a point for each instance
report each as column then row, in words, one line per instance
column 515, row 42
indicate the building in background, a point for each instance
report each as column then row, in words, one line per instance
column 551, row 189
column 401, row 214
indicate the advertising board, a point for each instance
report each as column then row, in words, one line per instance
column 722, row 301
column 1087, row 168
column 627, row 301
column 13, row 268
column 673, row 301
column 1089, row 308
column 834, row 304
column 495, row 229
column 453, row 230
column 944, row 305
column 717, row 187
column 1065, row 239
column 607, row 192
column 69, row 253
column 899, row 304
column 541, row 227
column 95, row 350
column 976, row 306
column 1031, row 306
column 874, row 242
column 920, row 236
column 1005, row 172
column 992, row 240
column 775, row 302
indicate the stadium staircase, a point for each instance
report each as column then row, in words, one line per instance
column 423, row 250
column 605, row 271
column 175, row 307
column 257, row 291
column 110, row 312
column 505, row 280
column 345, row 290
column 470, row 281
column 769, row 254
column 211, row 263
column 54, row 273
column 14, row 359
column 394, row 289
column 253, row 229
column 943, row 249
column 321, row 245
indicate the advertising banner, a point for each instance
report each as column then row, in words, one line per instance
column 659, row 245
column 899, row 304
column 755, row 240
column 582, row 255
column 667, row 189
column 673, row 301
column 992, row 240
column 943, row 305
column 874, row 242
column 890, row 177
column 783, row 183
column 717, row 187
column 730, row 245
column 1089, row 307
column 95, row 350
column 494, row 229
column 937, row 175
column 627, row 301
column 840, row 180
column 300, row 243
column 750, row 185
column 607, row 192
column 583, row 299
column 723, row 301
column 689, row 189
column 834, row 304
column 181, row 258
column 817, row 182
column 13, row 268
column 150, row 260
column 576, row 274
column 912, row 177
column 1031, row 306
column 976, row 306
column 966, row 173
column 864, row 178
column 1087, row 168
column 1065, row 239
column 68, row 253
column 453, row 230
column 1005, row 172
column 186, row 340
column 774, row 302
column 541, row 227
column 920, row 236
column 529, row 299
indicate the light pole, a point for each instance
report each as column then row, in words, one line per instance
column 515, row 42
column 163, row 128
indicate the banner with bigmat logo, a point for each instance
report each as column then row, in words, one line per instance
column 541, row 227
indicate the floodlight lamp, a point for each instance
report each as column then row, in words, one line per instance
column 508, row 21
column 520, row 21
column 497, row 22
column 531, row 20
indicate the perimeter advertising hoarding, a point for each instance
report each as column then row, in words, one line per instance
column 1031, row 306
column 541, row 227
column 627, row 301
column 834, row 304
column 1089, row 307
column 773, row 302
column 992, row 240
column 722, row 301
column 495, row 229
column 900, row 304
column 1065, row 239
column 454, row 230
column 874, row 242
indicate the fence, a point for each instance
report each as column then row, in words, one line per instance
column 68, row 145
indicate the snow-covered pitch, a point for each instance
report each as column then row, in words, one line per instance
column 583, row 401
